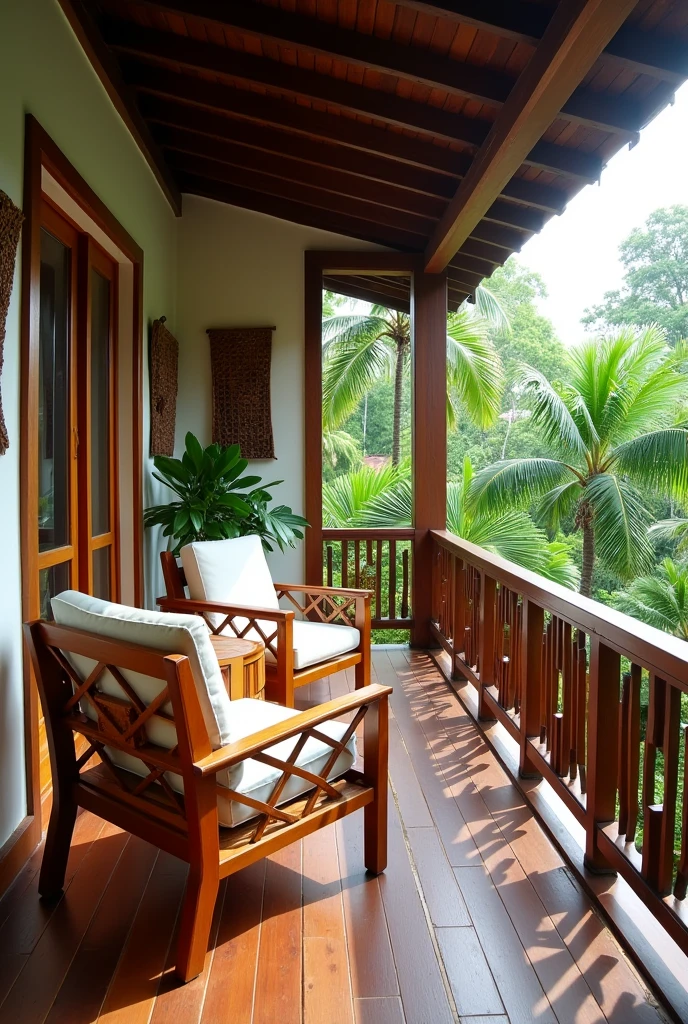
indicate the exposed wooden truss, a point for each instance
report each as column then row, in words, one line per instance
column 379, row 121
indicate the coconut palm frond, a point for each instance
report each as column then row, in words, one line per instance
column 551, row 412
column 620, row 523
column 474, row 370
column 349, row 372
column 661, row 600
column 656, row 460
column 518, row 483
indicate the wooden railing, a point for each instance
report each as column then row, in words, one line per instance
column 597, row 702
column 376, row 560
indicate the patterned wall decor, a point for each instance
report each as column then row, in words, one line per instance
column 240, row 363
column 164, row 357
column 11, row 219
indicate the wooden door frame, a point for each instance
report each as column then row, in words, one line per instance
column 41, row 152
column 428, row 324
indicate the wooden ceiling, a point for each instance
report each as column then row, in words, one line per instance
column 453, row 128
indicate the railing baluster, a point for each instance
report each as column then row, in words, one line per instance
column 623, row 780
column 392, row 579
column 681, row 886
column 329, row 565
column 488, row 594
column 357, row 563
column 670, row 749
column 633, row 748
column 378, row 579
column 532, row 661
column 404, row 583
column 603, row 738
column 345, row 563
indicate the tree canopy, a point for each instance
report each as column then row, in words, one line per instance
column 655, row 288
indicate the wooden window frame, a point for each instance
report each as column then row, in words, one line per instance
column 40, row 153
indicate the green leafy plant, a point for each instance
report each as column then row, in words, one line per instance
column 216, row 502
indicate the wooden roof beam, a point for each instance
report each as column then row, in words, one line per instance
column 647, row 53
column 284, row 28
column 295, row 81
column 574, row 38
column 280, row 126
column 121, row 96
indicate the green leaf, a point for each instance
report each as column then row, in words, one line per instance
column 517, row 482
column 194, row 451
column 620, row 522
column 181, row 521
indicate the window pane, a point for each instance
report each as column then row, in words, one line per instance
column 101, row 573
column 52, row 582
column 100, row 403
column 53, row 394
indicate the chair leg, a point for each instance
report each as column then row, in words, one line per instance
column 375, row 834
column 196, row 919
column 56, row 852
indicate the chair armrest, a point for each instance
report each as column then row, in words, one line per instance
column 232, row 753
column 336, row 591
column 188, row 607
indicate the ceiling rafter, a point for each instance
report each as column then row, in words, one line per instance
column 649, row 53
column 295, row 81
column 180, row 100
column 604, row 112
column 576, row 35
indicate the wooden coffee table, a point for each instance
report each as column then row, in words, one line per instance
column 243, row 666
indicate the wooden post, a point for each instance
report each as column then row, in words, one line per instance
column 313, row 418
column 603, row 741
column 531, row 654
column 429, row 349
column 486, row 642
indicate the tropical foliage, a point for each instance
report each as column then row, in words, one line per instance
column 383, row 498
column 362, row 348
column 661, row 599
column 612, row 429
column 217, row 502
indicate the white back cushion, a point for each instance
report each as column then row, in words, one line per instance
column 170, row 634
column 229, row 571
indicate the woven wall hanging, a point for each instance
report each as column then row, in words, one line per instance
column 164, row 357
column 240, row 365
column 11, row 219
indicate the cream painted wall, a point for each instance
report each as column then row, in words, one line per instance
column 238, row 268
column 44, row 71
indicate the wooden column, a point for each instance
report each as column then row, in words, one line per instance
column 429, row 349
column 313, row 417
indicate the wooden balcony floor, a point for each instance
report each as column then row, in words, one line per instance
column 476, row 918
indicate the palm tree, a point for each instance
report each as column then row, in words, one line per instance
column 366, row 499
column 360, row 349
column 612, row 427
column 660, row 600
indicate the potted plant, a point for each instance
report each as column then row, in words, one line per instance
column 216, row 502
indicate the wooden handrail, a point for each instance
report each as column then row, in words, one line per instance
column 666, row 654
column 353, row 533
column 565, row 676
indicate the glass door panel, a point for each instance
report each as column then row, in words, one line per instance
column 56, row 466
column 100, row 403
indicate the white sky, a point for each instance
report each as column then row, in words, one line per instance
column 577, row 253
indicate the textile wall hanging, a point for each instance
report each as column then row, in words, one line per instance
column 240, row 365
column 164, row 357
column 11, row 219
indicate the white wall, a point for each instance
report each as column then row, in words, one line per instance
column 44, row 71
column 238, row 268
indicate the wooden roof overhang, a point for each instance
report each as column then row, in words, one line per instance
column 455, row 128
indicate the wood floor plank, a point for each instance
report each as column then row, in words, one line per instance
column 500, row 1018
column 442, row 895
column 231, row 985
column 371, row 961
column 380, row 1010
column 468, row 971
column 519, row 988
column 86, row 983
column 135, row 984
column 326, row 982
column 278, row 980
column 35, row 989
column 423, row 993
column 412, row 803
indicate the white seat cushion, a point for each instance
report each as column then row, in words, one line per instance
column 235, row 572
column 319, row 641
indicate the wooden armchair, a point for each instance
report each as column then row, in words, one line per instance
column 146, row 708
column 247, row 603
